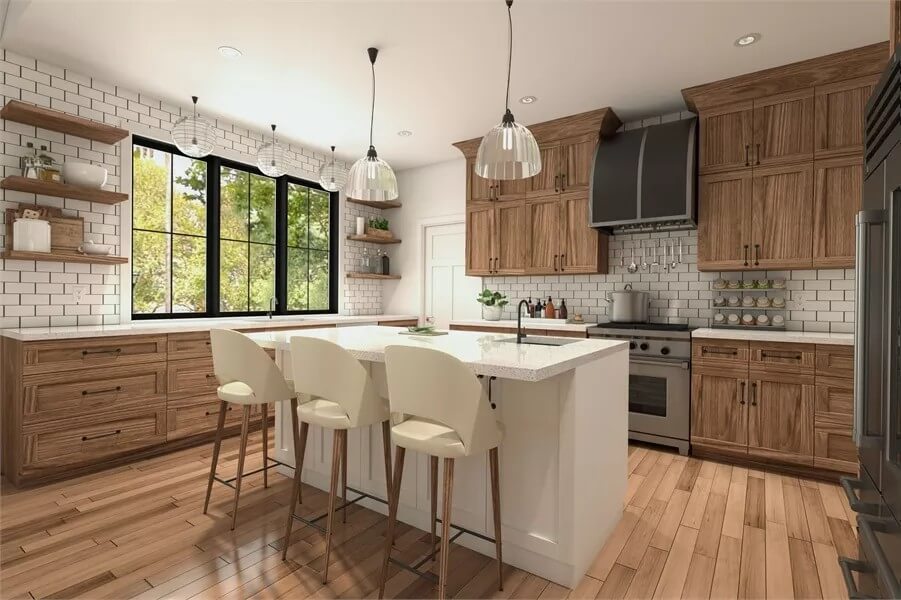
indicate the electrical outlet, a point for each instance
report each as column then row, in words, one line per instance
column 78, row 292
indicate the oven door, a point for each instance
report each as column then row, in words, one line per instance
column 659, row 391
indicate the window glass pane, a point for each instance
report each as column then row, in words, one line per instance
column 232, row 276
column 297, row 215
column 318, row 280
column 319, row 201
column 151, row 188
column 188, row 274
column 189, row 201
column 262, row 276
column 297, row 279
column 233, row 203
column 150, row 293
column 262, row 209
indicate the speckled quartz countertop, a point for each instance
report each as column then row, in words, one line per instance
column 762, row 335
column 486, row 353
column 161, row 326
column 527, row 323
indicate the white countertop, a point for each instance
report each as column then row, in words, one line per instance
column 762, row 335
column 160, row 326
column 484, row 352
column 528, row 323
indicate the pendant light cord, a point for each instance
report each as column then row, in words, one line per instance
column 372, row 111
column 509, row 53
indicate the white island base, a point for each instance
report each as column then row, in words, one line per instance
column 562, row 466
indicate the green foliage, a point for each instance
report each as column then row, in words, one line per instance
column 379, row 223
column 489, row 298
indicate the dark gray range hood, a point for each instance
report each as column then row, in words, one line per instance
column 645, row 179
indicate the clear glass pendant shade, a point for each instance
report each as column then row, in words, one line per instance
column 272, row 159
column 332, row 175
column 371, row 178
column 508, row 151
column 193, row 134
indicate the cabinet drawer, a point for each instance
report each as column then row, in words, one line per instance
column 189, row 345
column 834, row 449
column 198, row 415
column 797, row 359
column 81, row 393
column 834, row 397
column 720, row 353
column 191, row 377
column 66, row 355
column 85, row 441
column 835, row 361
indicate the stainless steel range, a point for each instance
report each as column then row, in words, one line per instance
column 659, row 380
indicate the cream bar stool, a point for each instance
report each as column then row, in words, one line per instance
column 340, row 396
column 247, row 377
column 446, row 415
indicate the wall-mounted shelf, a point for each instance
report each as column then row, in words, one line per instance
column 20, row 112
column 64, row 257
column 61, row 190
column 375, row 204
column 373, row 239
column 371, row 276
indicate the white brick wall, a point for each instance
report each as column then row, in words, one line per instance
column 361, row 296
column 34, row 294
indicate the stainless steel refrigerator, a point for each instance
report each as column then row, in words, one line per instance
column 876, row 494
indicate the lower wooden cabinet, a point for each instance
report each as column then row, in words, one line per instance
column 719, row 409
column 198, row 415
column 833, row 446
column 780, row 419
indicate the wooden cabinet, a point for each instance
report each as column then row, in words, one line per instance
column 835, row 361
column 838, row 185
column 726, row 135
column 577, row 162
column 783, row 128
column 66, row 355
column 582, row 248
column 509, row 241
column 543, row 232
column 780, row 418
column 547, row 181
column 833, row 446
column 719, row 408
column 720, row 354
column 477, row 188
column 796, row 360
column 480, row 240
column 194, row 344
column 724, row 227
column 782, row 217
column 840, row 111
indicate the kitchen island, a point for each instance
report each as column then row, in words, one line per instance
column 562, row 461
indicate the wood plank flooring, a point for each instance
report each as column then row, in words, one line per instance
column 690, row 529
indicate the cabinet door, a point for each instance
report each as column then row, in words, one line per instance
column 725, row 138
column 547, row 182
column 578, row 160
column 724, row 221
column 479, row 189
column 583, row 249
column 783, row 128
column 833, row 446
column 480, row 240
column 839, row 109
column 510, row 243
column 838, row 192
column 782, row 214
column 543, row 251
column 780, row 419
column 511, row 189
column 719, row 410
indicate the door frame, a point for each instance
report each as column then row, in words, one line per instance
column 421, row 226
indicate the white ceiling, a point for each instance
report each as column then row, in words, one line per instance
column 442, row 64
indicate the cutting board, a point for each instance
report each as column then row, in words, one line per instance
column 66, row 233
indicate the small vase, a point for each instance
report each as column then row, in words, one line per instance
column 361, row 225
column 492, row 313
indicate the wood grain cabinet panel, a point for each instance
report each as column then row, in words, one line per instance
column 835, row 361
column 779, row 357
column 511, row 189
column 480, row 240
column 543, row 227
column 838, row 194
column 510, row 243
column 198, row 415
column 719, row 409
column 840, row 109
column 190, row 377
column 782, row 215
column 65, row 355
column 578, row 161
column 478, row 189
column 834, row 447
column 722, row 354
column 780, row 419
column 547, row 181
column 783, row 128
column 724, row 221
column 583, row 249
column 726, row 135
column 194, row 344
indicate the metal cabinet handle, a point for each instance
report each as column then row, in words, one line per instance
column 747, row 155
column 865, row 526
column 562, row 256
column 780, row 355
column 746, row 255
column 706, row 350
column 215, row 412
column 210, row 375
column 555, row 262
column 741, row 398
column 113, row 351
column 495, row 264
column 756, row 254
column 754, row 394
column 563, row 182
column 847, row 565
column 849, row 484
column 758, row 154
column 118, row 388
column 556, row 183
column 85, row 438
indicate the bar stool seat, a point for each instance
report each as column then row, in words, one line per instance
column 238, row 392
column 433, row 438
column 325, row 413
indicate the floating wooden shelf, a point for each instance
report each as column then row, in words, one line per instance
column 371, row 276
column 64, row 257
column 375, row 204
column 20, row 112
column 61, row 190
column 373, row 239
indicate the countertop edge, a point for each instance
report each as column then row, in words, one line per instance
column 798, row 337
column 506, row 323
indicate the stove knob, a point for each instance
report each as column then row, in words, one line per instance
column 644, row 346
column 631, row 345
column 664, row 350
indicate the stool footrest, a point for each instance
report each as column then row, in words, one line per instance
column 360, row 495
column 229, row 482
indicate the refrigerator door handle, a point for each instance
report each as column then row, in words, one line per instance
column 849, row 484
column 866, row 526
column 849, row 565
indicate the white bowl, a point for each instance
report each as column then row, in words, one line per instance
column 98, row 249
column 84, row 174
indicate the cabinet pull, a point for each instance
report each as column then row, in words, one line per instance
column 555, row 262
column 764, row 354
column 746, row 255
column 563, row 182
column 756, row 254
column 556, row 183
column 741, row 396
column 210, row 375
column 496, row 259
column 85, row 438
column 215, row 412
column 747, row 155
column 758, row 154
column 118, row 388
column 706, row 350
column 754, row 394
column 113, row 351
column 562, row 256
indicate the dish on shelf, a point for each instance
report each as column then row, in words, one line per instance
column 84, row 174
column 778, row 321
column 95, row 249
column 763, row 320
column 747, row 301
column 719, row 318
column 719, row 284
column 733, row 284
column 733, row 319
column 747, row 319
column 719, row 301
column 748, row 284
column 779, row 284
column 763, row 302
column 734, row 301
column 778, row 302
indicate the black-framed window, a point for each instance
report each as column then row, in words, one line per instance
column 214, row 237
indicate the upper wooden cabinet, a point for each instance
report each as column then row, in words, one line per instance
column 782, row 217
column 724, row 229
column 478, row 189
column 577, row 157
column 543, row 234
column 547, row 182
column 840, row 116
column 783, row 128
column 838, row 184
column 582, row 248
column 726, row 135
column 510, row 243
column 480, row 240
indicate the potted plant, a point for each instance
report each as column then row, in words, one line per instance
column 493, row 304
column 378, row 227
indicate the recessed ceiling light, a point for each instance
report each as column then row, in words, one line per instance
column 229, row 52
column 528, row 99
column 404, row 133
column 747, row 40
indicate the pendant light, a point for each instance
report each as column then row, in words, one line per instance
column 332, row 176
column 271, row 158
column 193, row 134
column 371, row 178
column 509, row 151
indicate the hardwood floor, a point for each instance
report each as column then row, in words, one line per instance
column 691, row 528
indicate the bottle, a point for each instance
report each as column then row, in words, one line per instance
column 365, row 264
column 386, row 264
column 563, row 313
column 549, row 311
column 530, row 308
column 537, row 312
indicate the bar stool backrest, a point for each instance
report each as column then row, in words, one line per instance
column 236, row 357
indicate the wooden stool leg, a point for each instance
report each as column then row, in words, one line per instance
column 295, row 486
column 433, row 492
column 264, row 410
column 337, row 450
column 496, row 505
column 245, row 431
column 223, row 407
column 445, row 526
column 393, row 501
column 344, row 477
column 304, row 433
column 386, row 447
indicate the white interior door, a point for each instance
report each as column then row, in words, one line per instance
column 449, row 293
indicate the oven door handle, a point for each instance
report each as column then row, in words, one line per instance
column 661, row 362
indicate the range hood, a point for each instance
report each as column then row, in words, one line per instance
column 645, row 179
